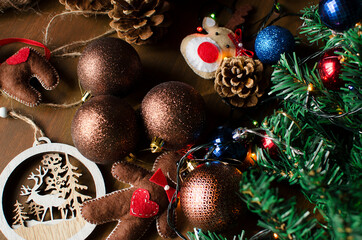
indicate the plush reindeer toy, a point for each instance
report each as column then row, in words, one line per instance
column 205, row 52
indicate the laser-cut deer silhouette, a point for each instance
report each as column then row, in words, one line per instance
column 46, row 201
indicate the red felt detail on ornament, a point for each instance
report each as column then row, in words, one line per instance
column 21, row 56
column 208, row 52
column 141, row 205
column 159, row 178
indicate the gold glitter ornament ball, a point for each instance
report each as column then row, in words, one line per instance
column 104, row 129
column 109, row 66
column 209, row 197
column 175, row 112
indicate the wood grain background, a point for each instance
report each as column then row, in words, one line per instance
column 162, row 62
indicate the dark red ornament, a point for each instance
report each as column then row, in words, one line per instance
column 330, row 69
column 209, row 196
column 104, row 129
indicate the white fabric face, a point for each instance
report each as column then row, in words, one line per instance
column 194, row 58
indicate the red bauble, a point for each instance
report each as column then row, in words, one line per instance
column 174, row 112
column 209, row 196
column 329, row 70
column 104, row 129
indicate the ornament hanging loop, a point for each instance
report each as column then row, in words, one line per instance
column 156, row 145
column 38, row 133
column 41, row 140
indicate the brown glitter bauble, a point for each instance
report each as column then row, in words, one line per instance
column 209, row 196
column 174, row 112
column 109, row 66
column 104, row 129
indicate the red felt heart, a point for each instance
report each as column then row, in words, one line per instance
column 20, row 57
column 142, row 206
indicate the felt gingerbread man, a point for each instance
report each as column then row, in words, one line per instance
column 135, row 208
column 17, row 70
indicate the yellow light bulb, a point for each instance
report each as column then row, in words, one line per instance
column 310, row 87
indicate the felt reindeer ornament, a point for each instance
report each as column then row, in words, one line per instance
column 204, row 53
column 17, row 70
column 135, row 208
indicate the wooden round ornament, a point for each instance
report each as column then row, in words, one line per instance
column 54, row 189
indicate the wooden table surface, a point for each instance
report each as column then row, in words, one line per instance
column 161, row 62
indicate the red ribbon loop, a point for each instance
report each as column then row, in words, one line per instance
column 159, row 178
column 27, row 41
column 236, row 38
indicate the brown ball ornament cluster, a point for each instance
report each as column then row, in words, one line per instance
column 209, row 196
column 109, row 66
column 175, row 112
column 104, row 129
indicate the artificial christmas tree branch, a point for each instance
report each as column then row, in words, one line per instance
column 325, row 126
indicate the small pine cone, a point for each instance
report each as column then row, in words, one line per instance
column 86, row 5
column 140, row 21
column 239, row 81
column 14, row 4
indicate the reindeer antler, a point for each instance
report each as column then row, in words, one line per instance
column 238, row 16
column 40, row 175
column 26, row 190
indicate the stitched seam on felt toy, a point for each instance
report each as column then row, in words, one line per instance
column 51, row 67
column 155, row 163
column 22, row 101
column 114, row 229
column 159, row 230
column 146, row 228
column 140, row 236
column 100, row 198
column 158, row 227
column 118, row 178
column 168, row 175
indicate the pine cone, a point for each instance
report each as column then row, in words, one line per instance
column 239, row 81
column 87, row 5
column 14, row 4
column 140, row 21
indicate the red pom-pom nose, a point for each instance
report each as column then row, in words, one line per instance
column 208, row 52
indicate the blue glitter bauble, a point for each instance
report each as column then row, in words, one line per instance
column 271, row 42
column 340, row 15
